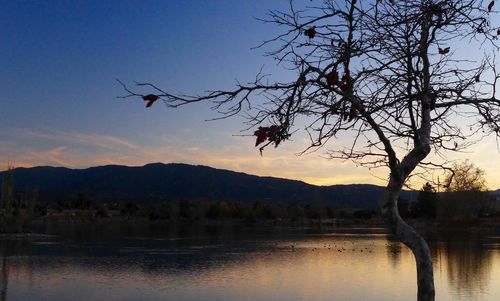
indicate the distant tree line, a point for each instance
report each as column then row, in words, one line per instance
column 465, row 197
column 428, row 204
column 17, row 209
column 212, row 210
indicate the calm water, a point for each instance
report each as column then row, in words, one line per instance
column 159, row 262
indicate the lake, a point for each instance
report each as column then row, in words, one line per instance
column 141, row 261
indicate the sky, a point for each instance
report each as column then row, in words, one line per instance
column 59, row 61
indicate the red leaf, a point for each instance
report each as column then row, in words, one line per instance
column 261, row 134
column 273, row 131
column 346, row 77
column 346, row 85
column 332, row 78
column 444, row 50
column 150, row 97
column 353, row 113
column 273, row 134
column 311, row 32
column 490, row 6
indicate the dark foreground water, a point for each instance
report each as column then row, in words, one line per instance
column 160, row 262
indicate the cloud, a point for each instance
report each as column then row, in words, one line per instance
column 93, row 139
column 80, row 150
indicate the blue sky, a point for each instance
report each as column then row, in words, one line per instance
column 59, row 61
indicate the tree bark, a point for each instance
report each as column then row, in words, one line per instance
column 407, row 235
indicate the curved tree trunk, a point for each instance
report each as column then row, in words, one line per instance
column 406, row 234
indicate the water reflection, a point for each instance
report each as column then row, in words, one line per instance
column 5, row 276
column 158, row 262
column 394, row 250
column 468, row 264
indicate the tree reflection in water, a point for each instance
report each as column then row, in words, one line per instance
column 393, row 248
column 466, row 259
column 165, row 263
column 468, row 263
column 4, row 281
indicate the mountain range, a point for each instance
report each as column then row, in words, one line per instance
column 162, row 182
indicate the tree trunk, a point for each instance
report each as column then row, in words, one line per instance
column 407, row 235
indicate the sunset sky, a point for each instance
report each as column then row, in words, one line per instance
column 59, row 61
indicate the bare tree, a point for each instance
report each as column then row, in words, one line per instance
column 387, row 71
column 465, row 176
column 466, row 195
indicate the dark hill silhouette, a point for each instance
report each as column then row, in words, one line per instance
column 157, row 182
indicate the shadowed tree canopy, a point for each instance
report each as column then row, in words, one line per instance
column 393, row 74
column 427, row 201
column 466, row 177
column 466, row 196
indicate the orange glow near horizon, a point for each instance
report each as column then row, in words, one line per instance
column 82, row 150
